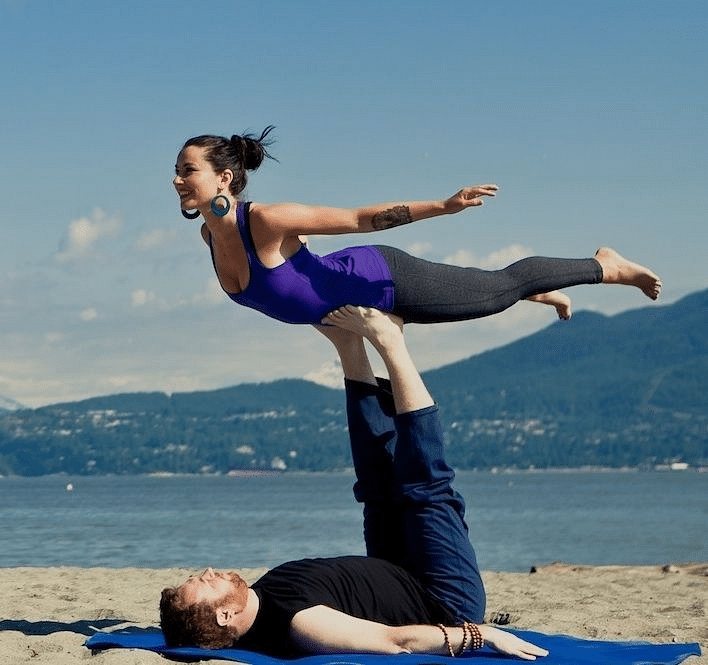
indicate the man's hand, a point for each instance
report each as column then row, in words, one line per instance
column 469, row 196
column 509, row 644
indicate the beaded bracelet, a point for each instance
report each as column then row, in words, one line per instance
column 466, row 637
column 475, row 635
column 447, row 640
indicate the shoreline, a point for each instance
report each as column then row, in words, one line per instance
column 48, row 613
column 246, row 473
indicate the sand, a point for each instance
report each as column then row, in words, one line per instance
column 46, row 614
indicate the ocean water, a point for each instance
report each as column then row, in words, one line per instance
column 516, row 520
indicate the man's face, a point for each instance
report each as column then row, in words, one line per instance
column 209, row 587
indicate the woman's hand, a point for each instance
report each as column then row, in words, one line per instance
column 509, row 644
column 469, row 196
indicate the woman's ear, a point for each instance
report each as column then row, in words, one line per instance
column 226, row 178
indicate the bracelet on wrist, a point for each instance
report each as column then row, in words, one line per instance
column 476, row 639
column 466, row 637
column 446, row 638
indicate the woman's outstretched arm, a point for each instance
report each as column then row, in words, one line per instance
column 296, row 219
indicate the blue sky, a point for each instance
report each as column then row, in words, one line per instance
column 590, row 116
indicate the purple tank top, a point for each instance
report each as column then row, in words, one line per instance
column 307, row 287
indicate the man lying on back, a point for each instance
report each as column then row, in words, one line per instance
column 418, row 590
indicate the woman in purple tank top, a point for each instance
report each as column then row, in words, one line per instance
column 261, row 260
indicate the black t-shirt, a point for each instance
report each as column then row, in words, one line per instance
column 363, row 587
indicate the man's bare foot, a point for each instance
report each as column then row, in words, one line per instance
column 340, row 337
column 618, row 270
column 556, row 299
column 383, row 330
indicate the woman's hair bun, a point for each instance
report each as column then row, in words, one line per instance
column 252, row 150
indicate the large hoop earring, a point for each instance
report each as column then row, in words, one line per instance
column 218, row 210
column 190, row 215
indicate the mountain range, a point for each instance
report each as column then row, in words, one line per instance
column 623, row 390
column 7, row 404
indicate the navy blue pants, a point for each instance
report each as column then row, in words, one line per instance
column 412, row 516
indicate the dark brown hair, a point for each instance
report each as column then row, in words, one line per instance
column 194, row 624
column 240, row 153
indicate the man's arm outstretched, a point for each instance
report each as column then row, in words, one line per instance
column 321, row 629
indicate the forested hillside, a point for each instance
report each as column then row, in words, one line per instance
column 626, row 390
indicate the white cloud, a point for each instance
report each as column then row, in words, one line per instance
column 213, row 294
column 155, row 239
column 141, row 297
column 493, row 261
column 83, row 235
column 53, row 337
column 419, row 248
column 330, row 374
column 89, row 314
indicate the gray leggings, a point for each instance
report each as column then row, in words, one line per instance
column 426, row 292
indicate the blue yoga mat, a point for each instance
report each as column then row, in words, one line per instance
column 564, row 650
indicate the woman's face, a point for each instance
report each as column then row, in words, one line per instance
column 195, row 179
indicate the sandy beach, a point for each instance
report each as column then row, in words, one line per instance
column 46, row 614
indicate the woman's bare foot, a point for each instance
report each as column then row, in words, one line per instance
column 383, row 330
column 618, row 270
column 556, row 299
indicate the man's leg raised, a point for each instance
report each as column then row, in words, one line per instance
column 372, row 435
column 438, row 550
